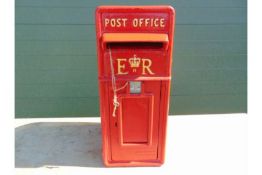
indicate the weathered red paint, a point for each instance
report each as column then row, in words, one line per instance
column 141, row 40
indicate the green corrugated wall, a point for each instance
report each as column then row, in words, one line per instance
column 56, row 67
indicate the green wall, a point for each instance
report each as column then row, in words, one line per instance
column 56, row 67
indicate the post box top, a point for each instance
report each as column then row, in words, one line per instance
column 149, row 19
column 136, row 8
column 138, row 40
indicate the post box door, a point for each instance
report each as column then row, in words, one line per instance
column 134, row 130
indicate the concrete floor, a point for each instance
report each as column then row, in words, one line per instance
column 200, row 144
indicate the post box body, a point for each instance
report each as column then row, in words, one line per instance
column 134, row 46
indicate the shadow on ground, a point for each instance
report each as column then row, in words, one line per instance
column 58, row 144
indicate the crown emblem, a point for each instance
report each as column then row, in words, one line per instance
column 134, row 62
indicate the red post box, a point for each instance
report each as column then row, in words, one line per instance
column 134, row 47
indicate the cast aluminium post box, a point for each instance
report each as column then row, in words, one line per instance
column 134, row 47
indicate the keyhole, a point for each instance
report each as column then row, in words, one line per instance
column 115, row 124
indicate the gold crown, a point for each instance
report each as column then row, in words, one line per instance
column 134, row 62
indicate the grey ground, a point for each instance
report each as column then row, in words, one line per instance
column 200, row 144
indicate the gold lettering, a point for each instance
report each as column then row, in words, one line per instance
column 113, row 22
column 135, row 22
column 121, row 67
column 106, row 21
column 146, row 22
column 118, row 23
column 141, row 21
column 124, row 21
column 152, row 22
column 146, row 66
column 162, row 24
column 156, row 23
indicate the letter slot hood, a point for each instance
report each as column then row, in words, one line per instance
column 135, row 37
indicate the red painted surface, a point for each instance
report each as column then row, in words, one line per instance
column 141, row 40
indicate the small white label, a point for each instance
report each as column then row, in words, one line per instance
column 135, row 87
